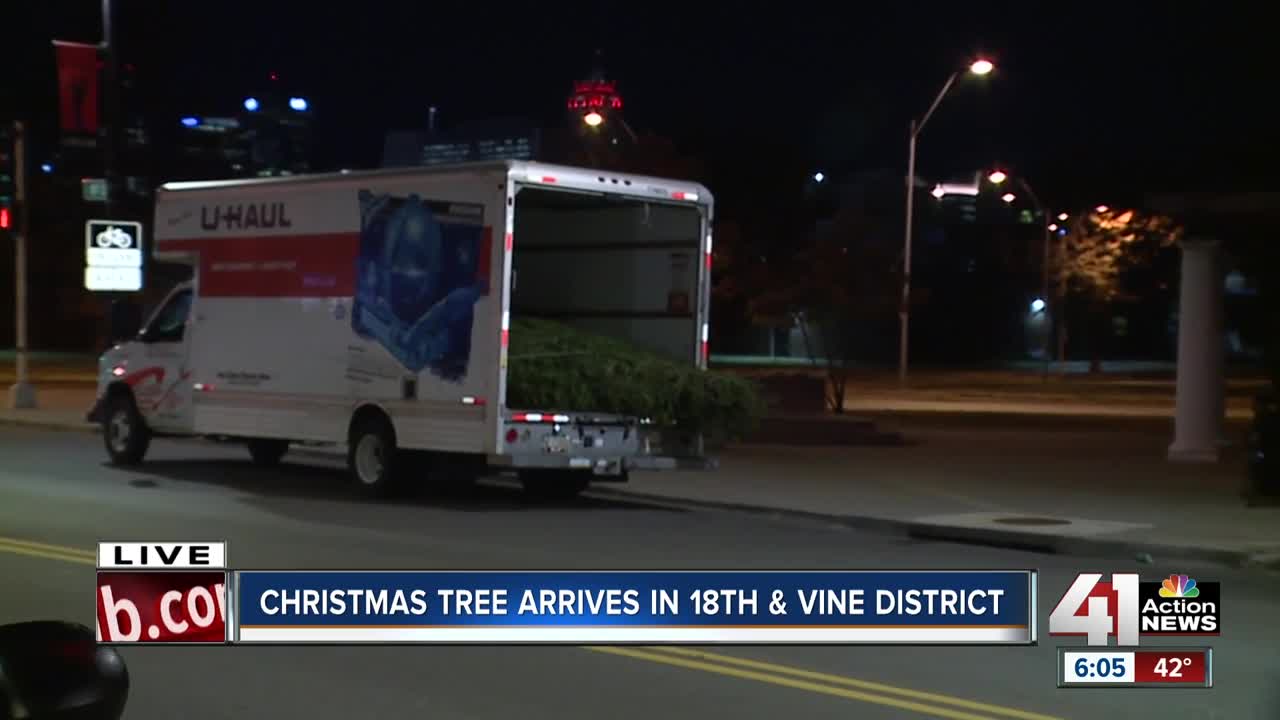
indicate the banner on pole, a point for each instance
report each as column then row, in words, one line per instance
column 78, row 87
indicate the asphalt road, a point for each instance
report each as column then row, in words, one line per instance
column 56, row 490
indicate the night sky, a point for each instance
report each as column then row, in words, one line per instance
column 1088, row 101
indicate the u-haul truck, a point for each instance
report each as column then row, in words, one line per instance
column 372, row 310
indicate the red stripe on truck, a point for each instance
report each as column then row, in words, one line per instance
column 302, row 266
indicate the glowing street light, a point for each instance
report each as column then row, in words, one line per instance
column 819, row 177
column 298, row 104
column 251, row 104
column 997, row 177
column 1062, row 217
column 1053, row 227
column 1037, row 305
column 1102, row 208
column 1008, row 197
column 593, row 119
column 938, row 192
column 980, row 66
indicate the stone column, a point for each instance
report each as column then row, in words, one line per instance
column 1198, row 419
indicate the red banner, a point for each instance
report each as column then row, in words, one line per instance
column 77, row 87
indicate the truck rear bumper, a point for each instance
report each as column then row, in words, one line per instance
column 604, row 468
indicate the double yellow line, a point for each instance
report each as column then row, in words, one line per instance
column 47, row 551
column 916, row 701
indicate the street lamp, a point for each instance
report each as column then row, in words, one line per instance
column 819, row 177
column 1063, row 217
column 978, row 67
column 997, row 177
column 1008, row 197
column 1102, row 208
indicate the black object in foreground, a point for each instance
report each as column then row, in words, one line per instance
column 57, row 671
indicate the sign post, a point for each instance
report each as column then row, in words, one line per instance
column 113, row 256
column 22, row 395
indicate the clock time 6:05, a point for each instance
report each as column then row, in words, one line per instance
column 1101, row 667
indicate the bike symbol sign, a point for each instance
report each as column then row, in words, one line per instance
column 113, row 255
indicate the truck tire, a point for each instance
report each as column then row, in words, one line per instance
column 554, row 485
column 266, row 452
column 372, row 458
column 124, row 433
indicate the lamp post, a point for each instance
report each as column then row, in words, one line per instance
column 997, row 177
column 979, row 67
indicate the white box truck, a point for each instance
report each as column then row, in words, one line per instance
column 371, row 311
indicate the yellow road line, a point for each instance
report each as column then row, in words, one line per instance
column 854, row 682
column 727, row 665
column 48, row 553
column 792, row 682
column 51, row 548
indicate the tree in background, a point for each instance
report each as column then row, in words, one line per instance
column 844, row 281
column 1096, row 255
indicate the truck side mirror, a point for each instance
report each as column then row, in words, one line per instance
column 126, row 320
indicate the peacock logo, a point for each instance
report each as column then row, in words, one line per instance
column 1179, row 586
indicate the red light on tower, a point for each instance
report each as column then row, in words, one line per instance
column 591, row 99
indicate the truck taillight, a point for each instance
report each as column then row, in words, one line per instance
column 691, row 197
column 708, row 252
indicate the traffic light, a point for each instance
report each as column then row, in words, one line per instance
column 7, row 167
column 7, row 162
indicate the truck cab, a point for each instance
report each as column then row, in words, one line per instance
column 141, row 380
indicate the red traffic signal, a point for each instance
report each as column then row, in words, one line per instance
column 4, row 218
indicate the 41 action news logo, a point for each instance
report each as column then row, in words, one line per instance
column 1127, row 608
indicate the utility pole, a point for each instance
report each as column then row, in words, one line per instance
column 111, row 104
column 22, row 395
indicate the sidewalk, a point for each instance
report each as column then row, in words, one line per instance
column 1081, row 491
column 1074, row 492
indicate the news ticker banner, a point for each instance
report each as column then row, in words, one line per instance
column 1135, row 667
column 184, row 593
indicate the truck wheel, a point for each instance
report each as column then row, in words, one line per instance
column 554, row 484
column 124, row 432
column 267, row 453
column 372, row 457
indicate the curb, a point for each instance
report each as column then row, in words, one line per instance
column 1008, row 539
column 48, row 424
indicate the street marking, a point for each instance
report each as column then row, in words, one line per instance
column 727, row 665
column 854, row 682
column 47, row 552
column 795, row 683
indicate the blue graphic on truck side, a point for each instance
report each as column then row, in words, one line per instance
column 419, row 277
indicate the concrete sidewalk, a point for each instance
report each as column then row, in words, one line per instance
column 1073, row 492
column 1082, row 491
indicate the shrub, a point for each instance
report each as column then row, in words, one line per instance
column 555, row 367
